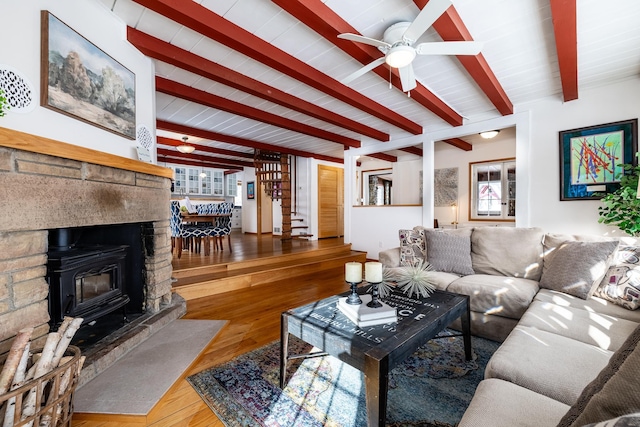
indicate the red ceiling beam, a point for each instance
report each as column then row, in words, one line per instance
column 451, row 28
column 565, row 28
column 382, row 156
column 166, row 52
column 174, row 143
column 187, row 162
column 412, row 150
column 457, row 142
column 215, row 136
column 228, row 163
column 180, row 90
column 324, row 21
column 212, row 25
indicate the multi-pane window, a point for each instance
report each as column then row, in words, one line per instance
column 493, row 190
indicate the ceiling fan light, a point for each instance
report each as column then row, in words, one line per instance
column 400, row 56
column 186, row 149
column 489, row 134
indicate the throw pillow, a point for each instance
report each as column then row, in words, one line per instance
column 614, row 392
column 578, row 267
column 412, row 249
column 621, row 284
column 449, row 252
column 623, row 421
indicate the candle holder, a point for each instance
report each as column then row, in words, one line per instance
column 353, row 297
column 375, row 302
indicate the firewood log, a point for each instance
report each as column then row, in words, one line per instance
column 13, row 359
column 65, row 338
column 42, row 367
column 18, row 381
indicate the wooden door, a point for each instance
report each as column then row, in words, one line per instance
column 330, row 201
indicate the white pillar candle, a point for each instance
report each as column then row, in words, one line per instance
column 353, row 272
column 373, row 272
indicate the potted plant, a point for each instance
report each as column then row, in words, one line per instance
column 4, row 104
column 622, row 207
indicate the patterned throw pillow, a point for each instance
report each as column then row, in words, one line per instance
column 412, row 247
column 621, row 284
column 578, row 267
column 448, row 252
column 630, row 420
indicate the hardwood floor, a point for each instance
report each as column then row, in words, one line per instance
column 253, row 316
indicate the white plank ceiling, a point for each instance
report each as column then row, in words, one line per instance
column 519, row 46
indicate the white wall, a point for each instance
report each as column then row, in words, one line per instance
column 611, row 103
column 249, row 206
column 20, row 50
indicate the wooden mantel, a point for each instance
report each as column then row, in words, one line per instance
column 37, row 144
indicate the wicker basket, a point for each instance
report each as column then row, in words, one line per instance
column 54, row 407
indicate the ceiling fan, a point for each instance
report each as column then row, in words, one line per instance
column 398, row 40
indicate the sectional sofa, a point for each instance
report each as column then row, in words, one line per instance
column 564, row 308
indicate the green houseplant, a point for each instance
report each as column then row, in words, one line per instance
column 622, row 207
column 4, row 104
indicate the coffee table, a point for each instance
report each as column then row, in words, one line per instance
column 373, row 350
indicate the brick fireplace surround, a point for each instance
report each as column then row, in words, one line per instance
column 46, row 184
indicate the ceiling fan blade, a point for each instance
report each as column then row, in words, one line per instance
column 407, row 78
column 425, row 19
column 351, row 77
column 449, row 48
column 362, row 39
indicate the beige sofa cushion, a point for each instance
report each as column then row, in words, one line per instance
column 507, row 251
column 615, row 391
column 498, row 295
column 498, row 403
column 593, row 304
column 601, row 330
column 547, row 363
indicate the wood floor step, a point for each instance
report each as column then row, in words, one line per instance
column 259, row 262
column 211, row 284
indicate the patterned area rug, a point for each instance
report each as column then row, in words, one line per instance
column 431, row 389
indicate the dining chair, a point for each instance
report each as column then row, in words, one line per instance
column 223, row 224
column 180, row 231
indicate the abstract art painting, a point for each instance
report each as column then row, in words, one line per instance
column 591, row 158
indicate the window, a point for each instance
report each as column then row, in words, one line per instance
column 493, row 190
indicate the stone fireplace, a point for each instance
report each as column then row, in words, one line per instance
column 47, row 185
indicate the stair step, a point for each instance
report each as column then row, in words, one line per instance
column 299, row 226
column 207, row 281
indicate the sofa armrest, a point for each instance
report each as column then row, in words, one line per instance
column 390, row 257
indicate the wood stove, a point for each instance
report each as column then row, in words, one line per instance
column 85, row 280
